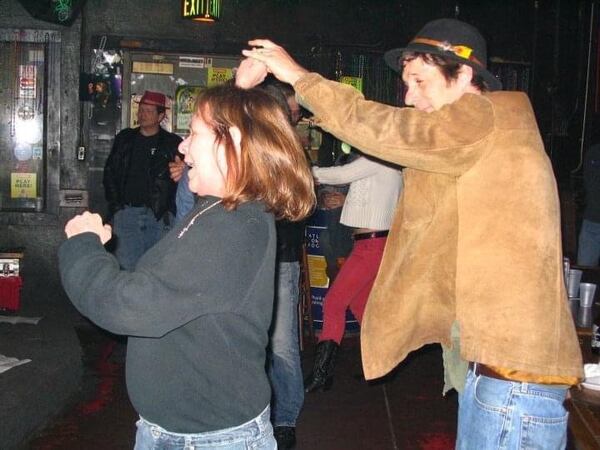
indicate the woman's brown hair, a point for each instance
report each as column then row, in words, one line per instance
column 271, row 166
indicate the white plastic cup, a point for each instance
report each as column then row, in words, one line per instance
column 573, row 283
column 587, row 291
column 584, row 317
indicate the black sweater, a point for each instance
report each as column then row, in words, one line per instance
column 197, row 311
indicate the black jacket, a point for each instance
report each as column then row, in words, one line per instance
column 162, row 189
column 290, row 237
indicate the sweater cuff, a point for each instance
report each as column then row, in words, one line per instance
column 81, row 244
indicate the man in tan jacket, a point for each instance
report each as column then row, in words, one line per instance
column 474, row 251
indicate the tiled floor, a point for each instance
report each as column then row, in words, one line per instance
column 404, row 411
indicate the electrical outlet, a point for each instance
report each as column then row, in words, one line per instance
column 81, row 153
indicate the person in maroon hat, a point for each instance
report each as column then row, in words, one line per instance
column 138, row 184
column 473, row 258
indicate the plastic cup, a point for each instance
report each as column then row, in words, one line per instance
column 574, row 307
column 587, row 291
column 584, row 317
column 573, row 283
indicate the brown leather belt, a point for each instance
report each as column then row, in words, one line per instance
column 482, row 369
column 374, row 234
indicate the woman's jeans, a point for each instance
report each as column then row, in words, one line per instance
column 499, row 414
column 256, row 434
column 284, row 367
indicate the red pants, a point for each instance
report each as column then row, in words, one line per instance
column 351, row 287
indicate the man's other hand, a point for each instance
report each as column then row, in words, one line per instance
column 176, row 169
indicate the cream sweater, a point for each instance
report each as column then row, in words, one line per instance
column 373, row 194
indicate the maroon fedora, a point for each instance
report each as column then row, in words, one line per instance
column 154, row 98
column 452, row 39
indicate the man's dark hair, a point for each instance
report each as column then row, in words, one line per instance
column 276, row 89
column 448, row 67
column 161, row 109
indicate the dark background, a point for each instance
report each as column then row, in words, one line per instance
column 554, row 42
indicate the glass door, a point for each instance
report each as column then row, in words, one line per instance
column 23, row 87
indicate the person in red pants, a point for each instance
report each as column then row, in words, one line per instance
column 369, row 207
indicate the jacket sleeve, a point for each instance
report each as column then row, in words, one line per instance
column 184, row 198
column 171, row 141
column 178, row 140
column 359, row 168
column 445, row 141
column 191, row 278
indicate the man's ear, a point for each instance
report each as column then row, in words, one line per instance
column 236, row 136
column 465, row 76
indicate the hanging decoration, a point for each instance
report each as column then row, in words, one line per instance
column 201, row 10
column 62, row 9
column 62, row 12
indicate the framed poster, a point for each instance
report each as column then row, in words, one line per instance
column 185, row 100
column 218, row 75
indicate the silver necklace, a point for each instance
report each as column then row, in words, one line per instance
column 191, row 222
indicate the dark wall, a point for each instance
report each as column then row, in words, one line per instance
column 41, row 233
column 550, row 35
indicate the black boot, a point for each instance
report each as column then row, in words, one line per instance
column 285, row 437
column 321, row 377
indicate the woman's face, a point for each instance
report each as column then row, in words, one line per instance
column 206, row 159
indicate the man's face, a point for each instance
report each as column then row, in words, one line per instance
column 426, row 87
column 148, row 116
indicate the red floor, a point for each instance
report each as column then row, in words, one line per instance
column 404, row 411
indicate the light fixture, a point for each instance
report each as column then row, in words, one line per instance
column 201, row 10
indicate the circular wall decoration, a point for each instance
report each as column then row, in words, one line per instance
column 23, row 151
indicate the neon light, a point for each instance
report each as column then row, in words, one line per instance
column 201, row 10
column 62, row 8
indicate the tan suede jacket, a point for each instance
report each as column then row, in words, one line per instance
column 476, row 235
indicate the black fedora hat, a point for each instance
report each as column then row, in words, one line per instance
column 452, row 39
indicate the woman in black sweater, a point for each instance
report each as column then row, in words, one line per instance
column 198, row 306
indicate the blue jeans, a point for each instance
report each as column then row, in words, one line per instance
column 256, row 434
column 284, row 369
column 136, row 230
column 498, row 414
column 588, row 250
